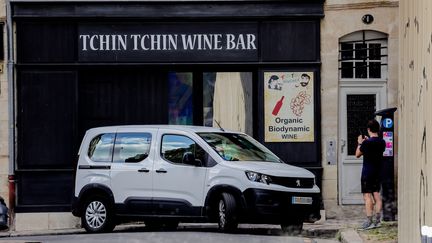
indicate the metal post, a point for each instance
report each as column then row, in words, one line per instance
column 11, row 108
column 387, row 168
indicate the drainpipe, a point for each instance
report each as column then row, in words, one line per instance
column 11, row 101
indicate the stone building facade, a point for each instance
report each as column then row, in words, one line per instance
column 346, row 84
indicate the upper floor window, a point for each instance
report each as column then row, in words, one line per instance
column 363, row 55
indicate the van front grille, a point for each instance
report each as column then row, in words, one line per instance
column 293, row 182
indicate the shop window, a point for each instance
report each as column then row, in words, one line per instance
column 363, row 55
column 227, row 100
column 180, row 98
column 174, row 148
column 131, row 147
column 100, row 149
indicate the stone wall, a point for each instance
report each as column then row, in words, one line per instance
column 4, row 113
column 415, row 102
column 342, row 18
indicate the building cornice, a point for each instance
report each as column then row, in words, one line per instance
column 365, row 5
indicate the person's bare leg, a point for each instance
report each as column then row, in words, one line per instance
column 368, row 204
column 378, row 207
column 369, row 211
column 378, row 202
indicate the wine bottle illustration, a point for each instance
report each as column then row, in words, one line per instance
column 277, row 107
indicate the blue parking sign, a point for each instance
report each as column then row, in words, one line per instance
column 387, row 123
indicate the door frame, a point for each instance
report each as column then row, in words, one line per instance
column 354, row 87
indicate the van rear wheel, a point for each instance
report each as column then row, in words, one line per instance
column 97, row 216
column 227, row 213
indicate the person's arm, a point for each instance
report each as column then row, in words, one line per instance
column 358, row 152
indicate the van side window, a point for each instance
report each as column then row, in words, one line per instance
column 175, row 146
column 101, row 147
column 131, row 147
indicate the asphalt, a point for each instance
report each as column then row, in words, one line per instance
column 343, row 230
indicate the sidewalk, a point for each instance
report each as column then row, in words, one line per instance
column 344, row 230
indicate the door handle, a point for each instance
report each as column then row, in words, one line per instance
column 144, row 170
column 343, row 144
column 161, row 170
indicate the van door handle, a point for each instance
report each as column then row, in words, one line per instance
column 161, row 171
column 144, row 170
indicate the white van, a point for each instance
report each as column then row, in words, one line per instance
column 169, row 174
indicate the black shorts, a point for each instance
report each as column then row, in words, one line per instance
column 369, row 185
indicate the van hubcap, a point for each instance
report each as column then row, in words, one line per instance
column 95, row 214
column 222, row 213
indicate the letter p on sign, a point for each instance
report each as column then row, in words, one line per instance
column 388, row 123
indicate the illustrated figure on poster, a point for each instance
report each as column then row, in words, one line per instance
column 305, row 78
column 298, row 103
column 274, row 83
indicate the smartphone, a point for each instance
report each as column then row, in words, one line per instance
column 361, row 133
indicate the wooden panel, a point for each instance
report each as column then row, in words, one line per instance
column 45, row 188
column 39, row 42
column 173, row 9
column 46, row 119
column 122, row 97
column 291, row 40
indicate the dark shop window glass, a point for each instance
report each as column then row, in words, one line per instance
column 101, row 147
column 360, row 51
column 361, row 70
column 347, row 70
column 180, row 98
column 360, row 109
column 347, row 51
column 174, row 148
column 227, row 99
column 131, row 147
column 374, row 51
column 375, row 70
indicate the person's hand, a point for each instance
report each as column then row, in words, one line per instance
column 360, row 139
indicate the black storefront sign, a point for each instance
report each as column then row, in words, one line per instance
column 161, row 42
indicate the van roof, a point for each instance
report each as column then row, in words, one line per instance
column 185, row 128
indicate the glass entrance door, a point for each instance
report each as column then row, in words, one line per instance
column 357, row 106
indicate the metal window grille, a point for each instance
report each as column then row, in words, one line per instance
column 364, row 58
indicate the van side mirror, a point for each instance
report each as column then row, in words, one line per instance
column 189, row 159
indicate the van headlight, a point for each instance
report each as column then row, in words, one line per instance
column 257, row 177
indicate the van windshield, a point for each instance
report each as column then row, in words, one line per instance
column 238, row 147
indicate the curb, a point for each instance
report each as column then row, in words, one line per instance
column 314, row 232
column 350, row 236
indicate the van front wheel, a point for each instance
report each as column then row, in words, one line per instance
column 227, row 213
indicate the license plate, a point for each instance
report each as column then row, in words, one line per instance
column 301, row 200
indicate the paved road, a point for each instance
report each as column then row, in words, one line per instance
column 184, row 234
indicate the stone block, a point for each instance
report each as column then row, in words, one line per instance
column 330, row 172
column 4, row 182
column 4, row 110
column 329, row 189
column 63, row 221
column 4, row 165
column 31, row 221
column 4, row 146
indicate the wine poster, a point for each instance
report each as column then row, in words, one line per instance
column 289, row 106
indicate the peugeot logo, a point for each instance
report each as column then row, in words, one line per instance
column 298, row 183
